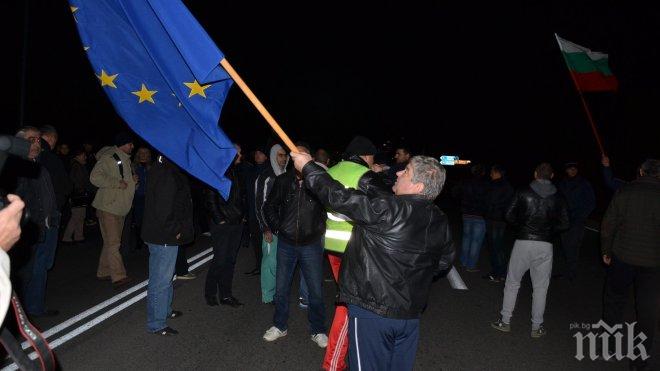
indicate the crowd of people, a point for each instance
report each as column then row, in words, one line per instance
column 384, row 238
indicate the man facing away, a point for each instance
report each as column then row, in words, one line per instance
column 630, row 244
column 539, row 213
column 112, row 174
column 396, row 247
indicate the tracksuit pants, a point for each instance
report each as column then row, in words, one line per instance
column 335, row 352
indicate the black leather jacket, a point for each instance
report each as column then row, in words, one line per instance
column 293, row 213
column 395, row 248
column 221, row 211
column 371, row 183
column 538, row 218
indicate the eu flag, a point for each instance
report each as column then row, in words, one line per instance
column 161, row 71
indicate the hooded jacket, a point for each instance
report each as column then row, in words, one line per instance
column 107, row 175
column 538, row 211
column 264, row 185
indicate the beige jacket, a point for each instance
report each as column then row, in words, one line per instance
column 106, row 176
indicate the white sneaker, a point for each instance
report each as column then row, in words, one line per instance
column 274, row 333
column 320, row 339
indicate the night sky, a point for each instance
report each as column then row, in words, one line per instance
column 483, row 80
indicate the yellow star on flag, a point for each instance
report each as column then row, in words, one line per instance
column 196, row 89
column 86, row 48
column 145, row 94
column 107, row 80
column 74, row 9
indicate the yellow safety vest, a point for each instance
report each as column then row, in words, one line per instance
column 338, row 227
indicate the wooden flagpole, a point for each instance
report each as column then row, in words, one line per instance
column 260, row 107
column 584, row 102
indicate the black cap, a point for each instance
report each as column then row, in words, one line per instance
column 360, row 146
column 123, row 138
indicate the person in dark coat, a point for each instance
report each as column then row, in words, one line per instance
column 500, row 194
column 630, row 245
column 80, row 198
column 472, row 194
column 581, row 202
column 167, row 224
column 226, row 222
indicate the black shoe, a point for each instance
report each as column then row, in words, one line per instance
column 47, row 313
column 231, row 301
column 211, row 301
column 167, row 331
column 175, row 314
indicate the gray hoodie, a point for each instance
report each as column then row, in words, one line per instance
column 543, row 187
column 264, row 184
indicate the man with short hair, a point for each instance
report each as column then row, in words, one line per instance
column 402, row 155
column 581, row 202
column 499, row 197
column 352, row 172
column 260, row 165
column 322, row 158
column 630, row 245
column 539, row 213
column 62, row 183
column 113, row 175
column 396, row 247
column 36, row 189
column 298, row 219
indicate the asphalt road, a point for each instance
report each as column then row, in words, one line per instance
column 455, row 332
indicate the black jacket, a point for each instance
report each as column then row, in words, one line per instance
column 168, row 207
column 631, row 226
column 395, row 248
column 579, row 197
column 538, row 217
column 500, row 194
column 221, row 211
column 62, row 183
column 472, row 193
column 293, row 212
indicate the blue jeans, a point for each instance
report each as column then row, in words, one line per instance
column 474, row 230
column 43, row 257
column 310, row 258
column 162, row 260
column 378, row 343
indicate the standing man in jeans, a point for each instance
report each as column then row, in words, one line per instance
column 298, row 219
column 472, row 194
column 168, row 224
column 630, row 244
column 396, row 247
column 113, row 175
column 540, row 213
column 36, row 189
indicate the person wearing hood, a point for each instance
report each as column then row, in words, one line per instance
column 540, row 213
column 168, row 224
column 353, row 172
column 263, row 186
column 113, row 175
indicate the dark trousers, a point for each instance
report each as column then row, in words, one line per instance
column 181, row 262
column 255, row 242
column 43, row 257
column 646, row 281
column 571, row 241
column 498, row 256
column 226, row 240
column 381, row 344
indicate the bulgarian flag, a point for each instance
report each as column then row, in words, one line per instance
column 590, row 70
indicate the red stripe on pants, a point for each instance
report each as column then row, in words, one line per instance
column 335, row 353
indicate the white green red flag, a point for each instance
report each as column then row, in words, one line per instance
column 589, row 69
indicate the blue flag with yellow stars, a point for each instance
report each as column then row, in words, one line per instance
column 161, row 71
